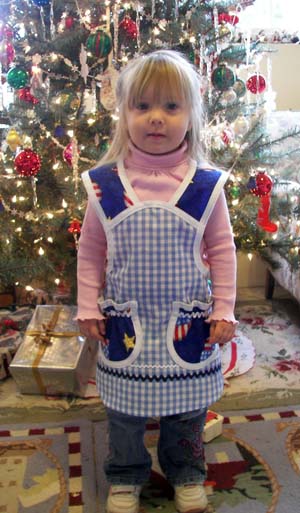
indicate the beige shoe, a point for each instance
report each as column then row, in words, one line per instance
column 190, row 498
column 123, row 499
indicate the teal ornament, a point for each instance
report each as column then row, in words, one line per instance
column 223, row 77
column 99, row 43
column 17, row 78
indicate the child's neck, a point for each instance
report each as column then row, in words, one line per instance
column 137, row 157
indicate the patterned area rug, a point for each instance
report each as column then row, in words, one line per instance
column 47, row 468
column 253, row 467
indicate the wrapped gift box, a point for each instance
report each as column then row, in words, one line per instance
column 53, row 359
column 213, row 426
column 9, row 343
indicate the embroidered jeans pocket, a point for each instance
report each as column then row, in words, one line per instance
column 123, row 334
column 187, row 334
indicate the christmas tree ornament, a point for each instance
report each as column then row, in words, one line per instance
column 17, row 77
column 69, row 22
column 84, row 70
column 27, row 163
column 225, row 33
column 13, row 139
column 68, row 153
column 69, row 101
column 36, row 80
column 7, row 53
column 261, row 185
column 235, row 191
column 99, row 43
column 225, row 17
column 59, row 131
column 241, row 125
column 227, row 136
column 223, row 77
column 256, row 84
column 25, row 95
column 128, row 27
column 239, row 88
column 228, row 97
column 6, row 32
column 75, row 229
column 75, row 226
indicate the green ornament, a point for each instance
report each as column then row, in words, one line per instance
column 17, row 78
column 239, row 88
column 235, row 191
column 99, row 43
column 223, row 77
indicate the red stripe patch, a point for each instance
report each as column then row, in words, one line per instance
column 75, row 499
column 75, row 471
column 4, row 433
column 36, row 431
column 71, row 429
column 74, row 448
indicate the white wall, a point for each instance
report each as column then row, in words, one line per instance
column 285, row 69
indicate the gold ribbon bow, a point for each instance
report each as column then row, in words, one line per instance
column 43, row 339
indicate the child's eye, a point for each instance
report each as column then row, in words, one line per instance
column 172, row 106
column 142, row 106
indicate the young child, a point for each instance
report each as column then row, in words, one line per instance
column 156, row 239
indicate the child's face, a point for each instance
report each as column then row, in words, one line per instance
column 158, row 124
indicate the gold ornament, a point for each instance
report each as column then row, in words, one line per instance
column 13, row 139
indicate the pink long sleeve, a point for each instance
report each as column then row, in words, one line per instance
column 221, row 256
column 90, row 266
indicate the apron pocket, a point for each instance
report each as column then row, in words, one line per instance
column 187, row 334
column 123, row 333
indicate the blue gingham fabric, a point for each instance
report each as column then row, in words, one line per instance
column 154, row 361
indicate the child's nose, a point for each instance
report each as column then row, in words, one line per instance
column 156, row 115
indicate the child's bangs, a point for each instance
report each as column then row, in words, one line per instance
column 165, row 79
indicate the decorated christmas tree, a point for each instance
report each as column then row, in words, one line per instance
column 59, row 63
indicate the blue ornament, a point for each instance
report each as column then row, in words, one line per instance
column 251, row 185
column 59, row 131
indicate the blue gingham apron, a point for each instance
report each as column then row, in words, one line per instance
column 155, row 360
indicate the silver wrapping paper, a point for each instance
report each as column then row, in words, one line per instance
column 53, row 359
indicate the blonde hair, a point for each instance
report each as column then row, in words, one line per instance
column 169, row 71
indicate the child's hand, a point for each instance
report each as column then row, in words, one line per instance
column 221, row 332
column 93, row 329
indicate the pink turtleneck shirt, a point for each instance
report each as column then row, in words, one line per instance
column 157, row 177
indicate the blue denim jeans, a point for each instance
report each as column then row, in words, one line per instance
column 180, row 448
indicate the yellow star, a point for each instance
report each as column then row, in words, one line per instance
column 129, row 342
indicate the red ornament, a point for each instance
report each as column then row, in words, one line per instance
column 25, row 95
column 224, row 17
column 75, row 226
column 227, row 136
column 27, row 163
column 263, row 184
column 256, row 84
column 68, row 154
column 69, row 22
column 6, row 32
column 129, row 27
column 263, row 187
column 7, row 53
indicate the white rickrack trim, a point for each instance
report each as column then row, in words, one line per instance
column 157, row 366
column 193, row 315
column 117, row 313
